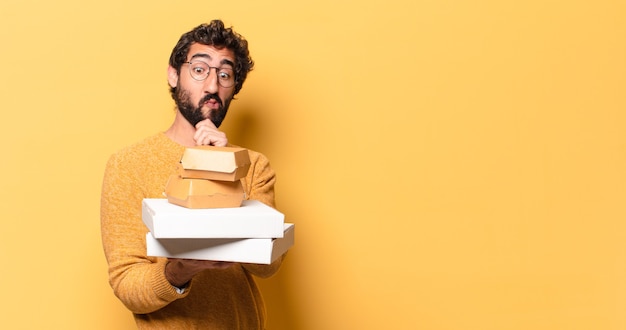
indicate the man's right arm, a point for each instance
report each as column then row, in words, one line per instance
column 137, row 280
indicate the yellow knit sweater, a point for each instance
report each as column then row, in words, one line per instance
column 216, row 299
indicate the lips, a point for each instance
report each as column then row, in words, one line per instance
column 211, row 101
column 213, row 104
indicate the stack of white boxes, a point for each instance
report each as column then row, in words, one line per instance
column 206, row 217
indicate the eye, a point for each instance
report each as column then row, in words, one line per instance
column 198, row 69
column 225, row 74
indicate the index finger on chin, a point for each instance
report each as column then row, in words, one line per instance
column 207, row 122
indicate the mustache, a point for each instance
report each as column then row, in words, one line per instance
column 209, row 97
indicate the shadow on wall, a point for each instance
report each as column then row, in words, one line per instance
column 279, row 298
column 246, row 127
column 241, row 128
column 252, row 127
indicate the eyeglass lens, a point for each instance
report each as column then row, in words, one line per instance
column 200, row 71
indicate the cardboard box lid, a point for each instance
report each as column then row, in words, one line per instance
column 252, row 220
column 220, row 160
column 251, row 250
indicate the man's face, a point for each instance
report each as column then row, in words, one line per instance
column 198, row 100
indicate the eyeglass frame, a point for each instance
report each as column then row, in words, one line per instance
column 217, row 70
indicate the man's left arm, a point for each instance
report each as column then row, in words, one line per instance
column 259, row 185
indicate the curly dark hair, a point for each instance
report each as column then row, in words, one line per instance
column 215, row 34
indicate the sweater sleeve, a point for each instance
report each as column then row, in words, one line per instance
column 137, row 280
column 259, row 185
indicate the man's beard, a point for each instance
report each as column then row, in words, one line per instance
column 194, row 114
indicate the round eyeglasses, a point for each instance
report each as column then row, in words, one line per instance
column 200, row 71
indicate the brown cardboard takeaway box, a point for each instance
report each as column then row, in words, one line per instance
column 202, row 193
column 251, row 250
column 252, row 220
column 215, row 163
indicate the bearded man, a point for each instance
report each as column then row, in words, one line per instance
column 207, row 68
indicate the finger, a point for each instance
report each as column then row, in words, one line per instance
column 205, row 128
column 219, row 141
column 204, row 139
column 206, row 123
column 215, row 138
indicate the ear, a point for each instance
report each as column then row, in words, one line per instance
column 172, row 76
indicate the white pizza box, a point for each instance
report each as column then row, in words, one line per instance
column 252, row 220
column 247, row 250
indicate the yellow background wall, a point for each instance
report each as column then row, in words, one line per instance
column 449, row 164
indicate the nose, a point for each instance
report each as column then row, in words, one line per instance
column 210, row 83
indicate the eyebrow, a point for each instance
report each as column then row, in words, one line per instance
column 207, row 56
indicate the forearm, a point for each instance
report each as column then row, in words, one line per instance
column 137, row 280
column 143, row 288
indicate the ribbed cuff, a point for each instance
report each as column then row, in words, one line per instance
column 163, row 288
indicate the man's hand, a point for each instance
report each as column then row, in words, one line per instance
column 208, row 135
column 180, row 271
